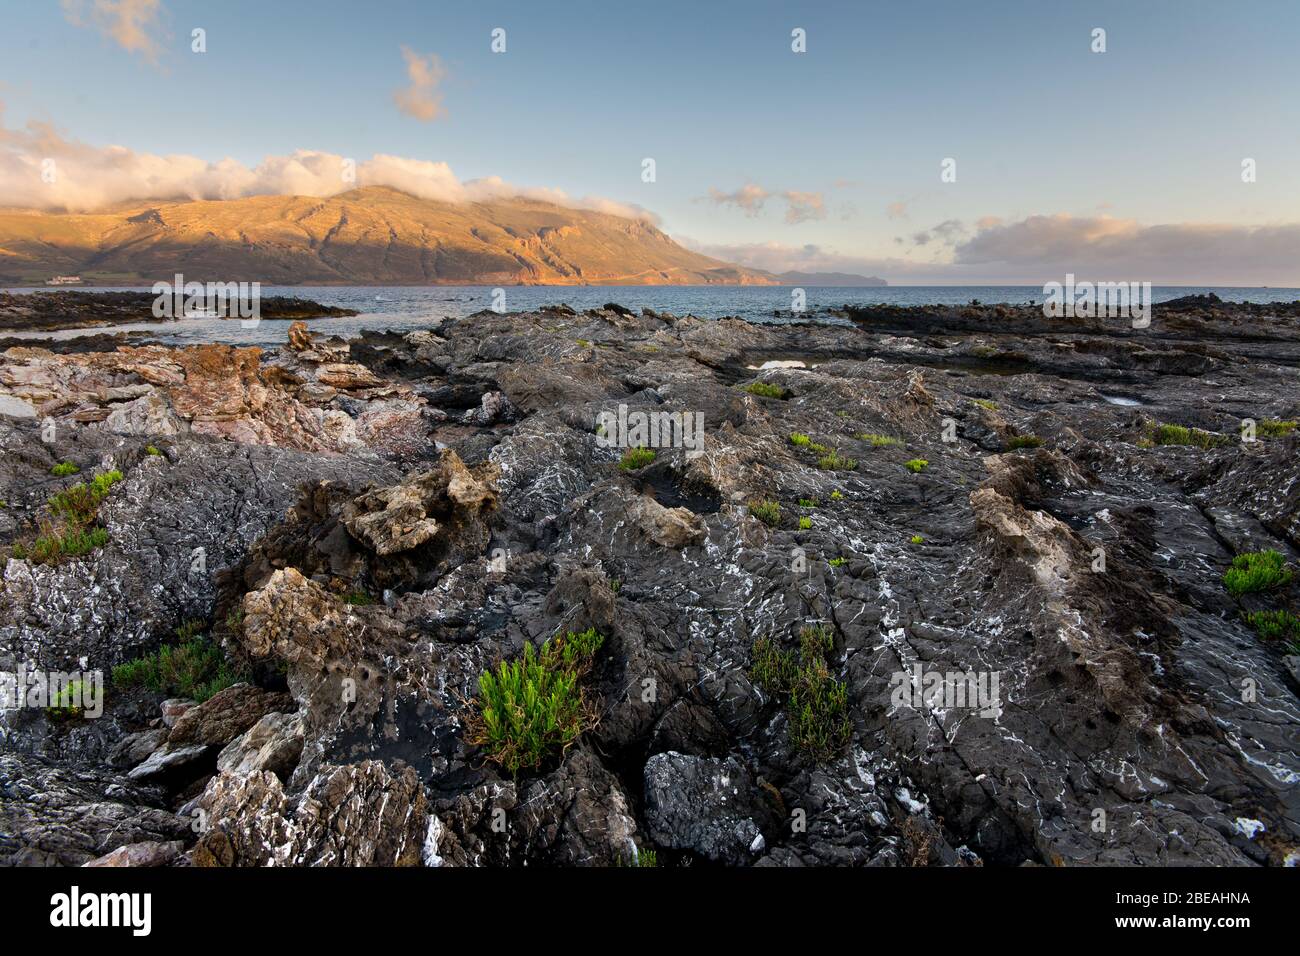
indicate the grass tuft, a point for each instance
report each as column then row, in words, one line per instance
column 63, row 469
column 916, row 465
column 1023, row 441
column 534, row 707
column 878, row 441
column 799, row 439
column 1256, row 571
column 1165, row 434
column 768, row 512
column 1277, row 626
column 1273, row 428
column 765, row 390
column 834, row 461
column 816, row 703
column 195, row 667
column 635, row 458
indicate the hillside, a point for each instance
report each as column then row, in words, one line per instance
column 374, row 235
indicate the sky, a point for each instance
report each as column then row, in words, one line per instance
column 1125, row 164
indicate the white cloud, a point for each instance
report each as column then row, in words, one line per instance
column 40, row 168
column 421, row 98
column 131, row 24
column 803, row 207
column 749, row 197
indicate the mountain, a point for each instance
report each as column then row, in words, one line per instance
column 828, row 279
column 374, row 235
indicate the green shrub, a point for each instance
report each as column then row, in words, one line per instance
column 1276, row 626
column 807, row 502
column 1273, row 428
column 1256, row 571
column 194, row 668
column 1023, row 441
column 79, row 504
column 1178, row 435
column 835, row 495
column 534, row 707
column 358, row 598
column 152, row 450
column 768, row 512
column 916, row 465
column 837, row 562
column 73, row 543
column 816, row 703
column 764, row 390
column 878, row 441
column 67, row 702
column 834, row 461
column 63, row 469
column 917, row 539
column 986, row 403
column 635, row 458
column 805, row 523
column 583, row 344
column 643, row 858
column 799, row 438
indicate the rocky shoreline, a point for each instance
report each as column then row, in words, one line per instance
column 50, row 311
column 359, row 530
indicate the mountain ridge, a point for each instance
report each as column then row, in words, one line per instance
column 370, row 235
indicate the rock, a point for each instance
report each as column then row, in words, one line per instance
column 226, row 714
column 173, row 709
column 136, row 747
column 168, row 760
column 273, row 744
column 704, row 805
column 668, row 527
column 356, row 815
column 147, row 853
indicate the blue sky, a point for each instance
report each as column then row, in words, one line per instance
column 1151, row 133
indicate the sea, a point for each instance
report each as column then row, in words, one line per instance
column 406, row 308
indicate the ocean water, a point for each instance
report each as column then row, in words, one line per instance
column 405, row 308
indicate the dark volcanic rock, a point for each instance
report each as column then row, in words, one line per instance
column 383, row 520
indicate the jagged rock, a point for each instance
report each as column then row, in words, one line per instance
column 669, row 527
column 61, row 817
column 174, row 708
column 147, row 853
column 272, row 744
column 356, row 815
column 169, row 759
column 134, row 748
column 704, row 805
column 225, row 715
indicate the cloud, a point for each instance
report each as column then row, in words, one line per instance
column 800, row 206
column 803, row 207
column 1041, row 248
column 897, row 210
column 421, row 99
column 131, row 24
column 946, row 233
column 40, row 168
column 749, row 197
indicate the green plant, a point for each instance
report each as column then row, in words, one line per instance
column 834, row 461
column 835, row 495
column 807, row 502
column 764, row 390
column 798, row 438
column 837, row 562
column 67, row 703
column 816, row 703
column 531, row 708
column 615, row 584
column 152, row 450
column 72, row 543
column 584, row 344
column 805, row 523
column 768, row 512
column 358, row 598
column 1274, row 428
column 194, row 668
column 878, row 441
column 1023, row 441
column 986, row 403
column 63, row 469
column 916, row 465
column 635, row 458
column 1277, row 626
column 643, row 858
column 1178, row 435
column 1256, row 571
column 917, row 539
